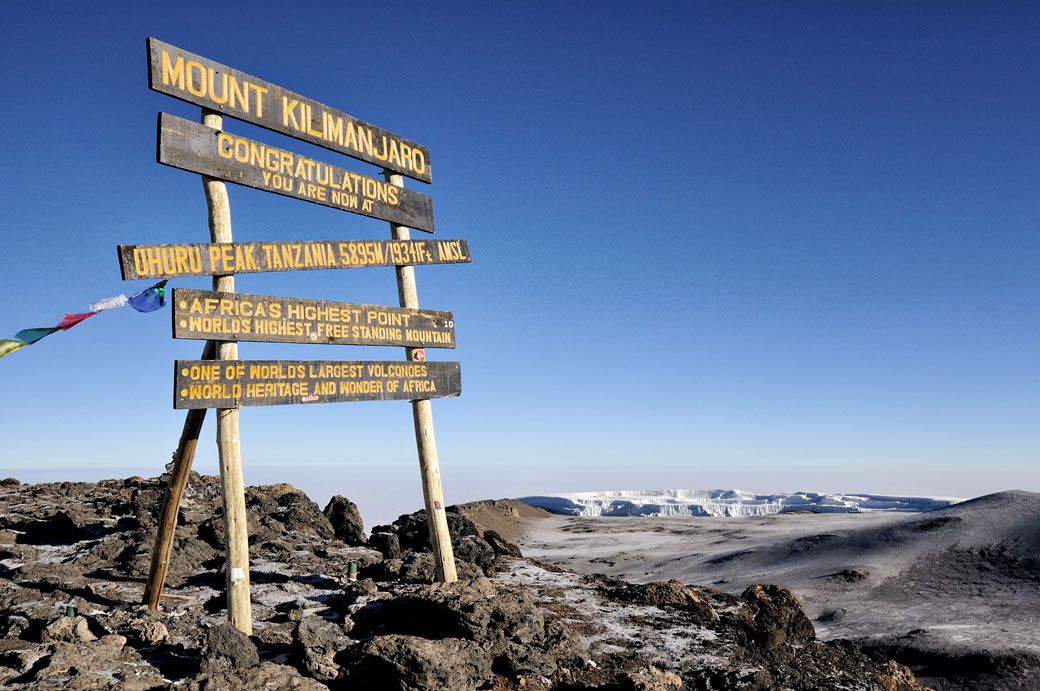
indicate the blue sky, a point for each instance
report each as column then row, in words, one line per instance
column 769, row 246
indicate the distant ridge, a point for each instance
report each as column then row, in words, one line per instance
column 724, row 503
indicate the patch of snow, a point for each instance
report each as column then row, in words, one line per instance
column 724, row 503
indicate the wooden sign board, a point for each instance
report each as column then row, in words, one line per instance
column 233, row 383
column 227, row 91
column 203, row 314
column 218, row 259
column 199, row 149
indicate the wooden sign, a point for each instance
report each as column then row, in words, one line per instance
column 217, row 259
column 233, row 383
column 199, row 149
column 209, row 84
column 203, row 314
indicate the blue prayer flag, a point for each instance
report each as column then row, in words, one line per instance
column 149, row 299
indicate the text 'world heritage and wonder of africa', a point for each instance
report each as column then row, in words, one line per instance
column 231, row 383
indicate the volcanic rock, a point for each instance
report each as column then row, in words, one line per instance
column 346, row 521
column 393, row 628
column 227, row 648
column 410, row 663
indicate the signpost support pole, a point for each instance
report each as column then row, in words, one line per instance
column 182, row 459
column 422, row 413
column 231, row 482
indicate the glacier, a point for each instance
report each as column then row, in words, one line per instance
column 724, row 503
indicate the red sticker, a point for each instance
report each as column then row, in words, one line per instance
column 436, row 505
column 419, row 355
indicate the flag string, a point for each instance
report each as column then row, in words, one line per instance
column 148, row 300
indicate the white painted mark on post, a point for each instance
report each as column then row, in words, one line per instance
column 238, row 574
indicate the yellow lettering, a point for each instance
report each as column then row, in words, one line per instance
column 224, row 145
column 241, row 94
column 309, row 120
column 173, row 74
column 289, row 112
column 260, row 91
column 192, row 65
column 212, row 91
column 181, row 254
column 333, row 128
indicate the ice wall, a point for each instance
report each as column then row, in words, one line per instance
column 724, row 503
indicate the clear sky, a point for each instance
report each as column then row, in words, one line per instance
column 765, row 246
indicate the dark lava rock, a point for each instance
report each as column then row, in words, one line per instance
column 500, row 545
column 414, row 534
column 267, row 676
column 776, row 617
column 227, row 648
column 832, row 615
column 282, row 508
column 392, row 629
column 670, row 594
column 505, row 621
column 346, row 521
column 63, row 527
column 316, row 641
column 386, row 543
column 476, row 551
column 409, row 663
column 9, row 482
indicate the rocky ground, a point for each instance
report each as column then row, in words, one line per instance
column 74, row 557
column 953, row 593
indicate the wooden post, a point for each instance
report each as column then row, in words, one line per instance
column 422, row 414
column 182, row 459
column 231, row 482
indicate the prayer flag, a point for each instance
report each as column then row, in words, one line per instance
column 71, row 320
column 8, row 345
column 149, row 299
column 108, row 303
column 28, row 336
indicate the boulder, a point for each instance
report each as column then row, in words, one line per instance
column 476, row 551
column 346, row 521
column 387, row 543
column 316, row 642
column 500, row 545
column 153, row 632
column 410, row 663
column 227, row 648
column 672, row 594
column 776, row 617
column 414, row 533
column 69, row 629
column 267, row 675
